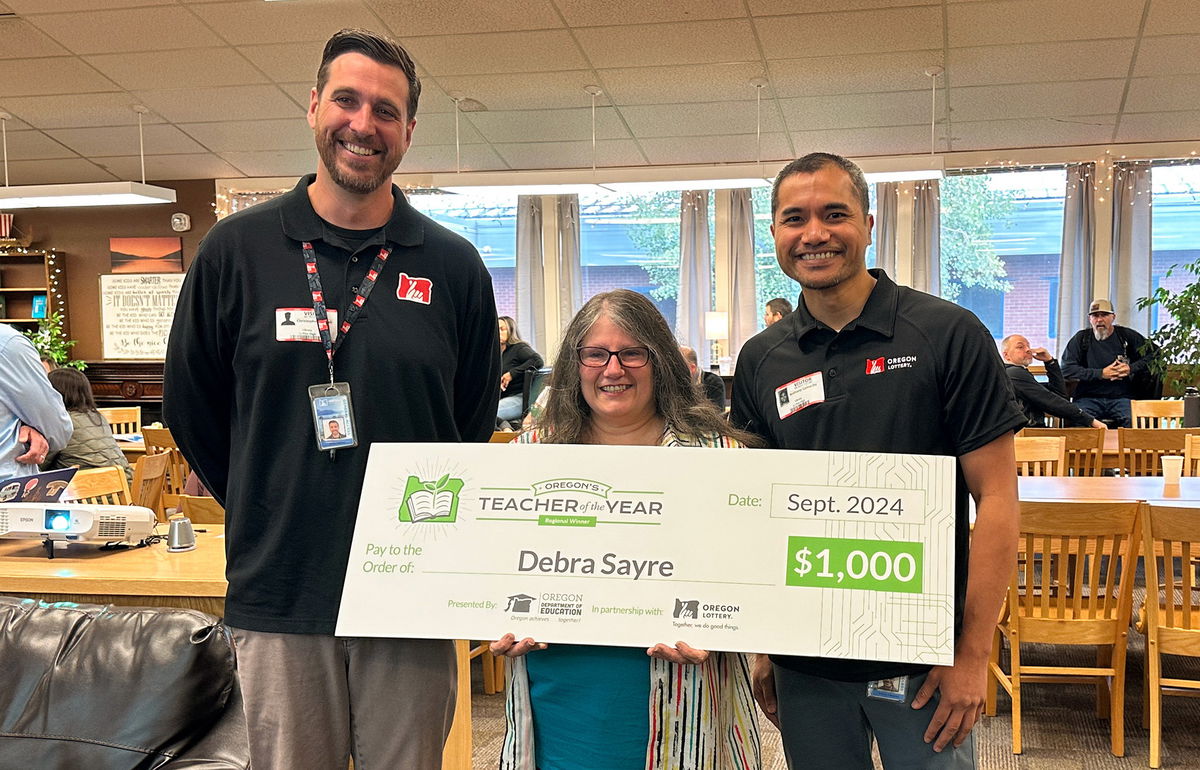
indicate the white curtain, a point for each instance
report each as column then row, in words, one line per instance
column 927, row 225
column 886, row 196
column 743, row 313
column 531, row 299
column 1130, row 267
column 695, row 272
column 1075, row 269
column 570, row 275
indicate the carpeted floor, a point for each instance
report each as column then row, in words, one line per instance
column 1060, row 728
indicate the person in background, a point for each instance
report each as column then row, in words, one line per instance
column 418, row 364
column 869, row 366
column 48, row 364
column 1035, row 398
column 709, row 382
column 775, row 310
column 92, row 444
column 516, row 358
column 33, row 421
column 1108, row 362
column 619, row 379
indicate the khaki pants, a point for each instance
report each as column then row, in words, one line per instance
column 314, row 701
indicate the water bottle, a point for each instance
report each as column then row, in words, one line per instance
column 1191, row 408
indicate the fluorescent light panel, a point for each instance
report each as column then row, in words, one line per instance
column 84, row 194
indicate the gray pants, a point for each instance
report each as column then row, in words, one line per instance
column 829, row 724
column 312, row 701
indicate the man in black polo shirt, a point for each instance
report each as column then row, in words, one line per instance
column 874, row 367
column 318, row 323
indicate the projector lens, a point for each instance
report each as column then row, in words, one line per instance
column 58, row 521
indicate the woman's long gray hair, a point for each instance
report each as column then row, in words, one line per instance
column 677, row 398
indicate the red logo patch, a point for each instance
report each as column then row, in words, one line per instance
column 875, row 365
column 415, row 289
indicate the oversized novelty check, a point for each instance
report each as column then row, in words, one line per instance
column 836, row 554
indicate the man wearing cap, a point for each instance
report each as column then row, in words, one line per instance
column 1105, row 359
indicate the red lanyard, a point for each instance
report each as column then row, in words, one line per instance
column 318, row 298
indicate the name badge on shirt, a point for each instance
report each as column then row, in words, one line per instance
column 333, row 417
column 799, row 393
column 299, row 324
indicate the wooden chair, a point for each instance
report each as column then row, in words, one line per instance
column 1170, row 617
column 149, row 478
column 1191, row 454
column 493, row 668
column 1157, row 413
column 1073, row 586
column 1084, row 449
column 99, row 486
column 161, row 440
column 1141, row 449
column 123, row 419
column 201, row 510
column 502, row 436
column 1042, row 456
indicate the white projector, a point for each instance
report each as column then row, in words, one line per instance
column 76, row 522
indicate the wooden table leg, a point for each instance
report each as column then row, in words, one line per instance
column 457, row 755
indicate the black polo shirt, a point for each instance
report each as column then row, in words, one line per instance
column 912, row 374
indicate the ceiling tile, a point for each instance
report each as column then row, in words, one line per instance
column 612, row 152
column 900, row 108
column 1172, row 55
column 273, row 162
column 186, row 105
column 34, row 145
column 429, row 17
column 737, row 148
column 699, row 119
column 526, row 91
column 102, row 142
column 57, row 171
column 1162, row 94
column 1034, row 21
column 251, row 135
column 438, row 128
column 1159, row 127
column 683, row 83
column 647, row 45
column 58, row 75
column 254, row 23
column 863, row 142
column 37, row 7
column 127, row 30
column 1040, row 62
column 548, row 125
column 197, row 68
column 547, row 50
column 1036, row 100
column 475, row 157
column 1033, row 132
column 194, row 166
column 879, row 31
column 791, row 7
column 78, row 110
column 286, row 62
column 1173, row 17
column 595, row 13
column 863, row 73
column 21, row 40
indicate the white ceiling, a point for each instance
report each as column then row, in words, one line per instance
column 227, row 81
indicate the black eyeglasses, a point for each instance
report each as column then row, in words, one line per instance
column 630, row 358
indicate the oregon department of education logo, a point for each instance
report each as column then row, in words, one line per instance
column 432, row 501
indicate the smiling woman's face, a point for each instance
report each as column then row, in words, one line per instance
column 616, row 393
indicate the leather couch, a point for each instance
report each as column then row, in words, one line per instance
column 100, row 687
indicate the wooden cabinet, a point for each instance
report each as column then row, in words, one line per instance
column 32, row 285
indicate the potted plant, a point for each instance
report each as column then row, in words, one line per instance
column 52, row 343
column 1178, row 359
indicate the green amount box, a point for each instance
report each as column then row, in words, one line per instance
column 865, row 565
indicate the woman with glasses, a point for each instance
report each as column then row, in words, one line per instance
column 619, row 379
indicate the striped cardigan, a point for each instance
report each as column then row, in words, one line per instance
column 702, row 717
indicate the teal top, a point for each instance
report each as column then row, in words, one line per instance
column 589, row 707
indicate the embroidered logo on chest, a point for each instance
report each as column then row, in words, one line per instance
column 885, row 364
column 415, row 289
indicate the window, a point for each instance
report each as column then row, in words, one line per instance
column 1175, row 229
column 1001, row 245
column 489, row 222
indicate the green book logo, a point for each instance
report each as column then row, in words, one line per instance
column 432, row 501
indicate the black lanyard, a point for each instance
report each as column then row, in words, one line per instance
column 318, row 298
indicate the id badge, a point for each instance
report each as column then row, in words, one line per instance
column 333, row 419
column 803, row 391
column 893, row 689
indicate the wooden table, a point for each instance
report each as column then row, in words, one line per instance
column 133, row 450
column 1067, row 488
column 151, row 577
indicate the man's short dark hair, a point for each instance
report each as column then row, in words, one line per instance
column 814, row 162
column 779, row 306
column 376, row 47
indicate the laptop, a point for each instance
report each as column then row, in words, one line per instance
column 45, row 487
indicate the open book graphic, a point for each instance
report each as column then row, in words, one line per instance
column 426, row 504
